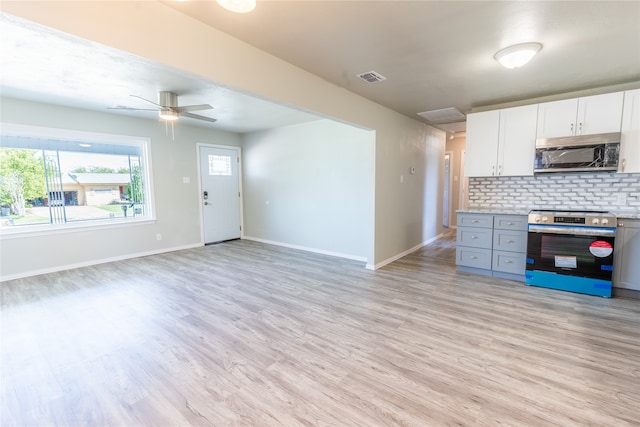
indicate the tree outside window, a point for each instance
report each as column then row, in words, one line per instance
column 21, row 179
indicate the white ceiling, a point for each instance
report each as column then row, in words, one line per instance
column 87, row 75
column 434, row 54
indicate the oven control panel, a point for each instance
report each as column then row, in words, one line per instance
column 599, row 219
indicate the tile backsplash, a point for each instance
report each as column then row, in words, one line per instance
column 615, row 192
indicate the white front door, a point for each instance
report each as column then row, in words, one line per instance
column 220, row 197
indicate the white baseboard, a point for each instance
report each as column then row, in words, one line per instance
column 196, row 245
column 307, row 249
column 95, row 262
column 400, row 255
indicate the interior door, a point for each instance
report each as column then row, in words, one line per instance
column 220, row 197
column 446, row 202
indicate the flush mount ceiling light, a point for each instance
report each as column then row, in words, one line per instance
column 517, row 55
column 238, row 6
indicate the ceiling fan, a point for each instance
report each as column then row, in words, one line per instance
column 168, row 108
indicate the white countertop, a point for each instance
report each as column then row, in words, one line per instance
column 501, row 211
column 495, row 211
column 628, row 215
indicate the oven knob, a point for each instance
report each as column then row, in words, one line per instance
column 544, row 219
column 605, row 221
column 595, row 221
column 537, row 218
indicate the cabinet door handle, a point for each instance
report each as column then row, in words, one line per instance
column 580, row 128
column 499, row 169
column 493, row 170
column 624, row 163
column 572, row 129
column 621, row 224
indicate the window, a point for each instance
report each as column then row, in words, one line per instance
column 219, row 165
column 59, row 177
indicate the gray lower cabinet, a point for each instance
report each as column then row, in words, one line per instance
column 474, row 240
column 626, row 270
column 473, row 247
column 492, row 244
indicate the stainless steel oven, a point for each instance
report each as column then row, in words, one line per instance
column 571, row 251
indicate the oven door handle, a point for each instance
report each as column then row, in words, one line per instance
column 572, row 231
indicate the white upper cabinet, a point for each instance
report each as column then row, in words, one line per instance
column 557, row 118
column 581, row 116
column 517, row 140
column 630, row 143
column 482, row 143
column 501, row 142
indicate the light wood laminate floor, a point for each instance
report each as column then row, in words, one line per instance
column 247, row 334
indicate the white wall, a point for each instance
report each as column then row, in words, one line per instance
column 177, row 204
column 311, row 186
column 408, row 213
column 403, row 215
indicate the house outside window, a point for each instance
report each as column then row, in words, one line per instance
column 56, row 178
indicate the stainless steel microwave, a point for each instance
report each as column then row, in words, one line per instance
column 584, row 153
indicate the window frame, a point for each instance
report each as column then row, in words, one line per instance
column 144, row 145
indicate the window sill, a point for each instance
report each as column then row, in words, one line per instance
column 47, row 229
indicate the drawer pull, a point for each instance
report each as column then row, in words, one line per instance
column 510, row 241
column 474, row 257
column 509, row 262
column 475, row 221
column 474, row 237
column 510, row 223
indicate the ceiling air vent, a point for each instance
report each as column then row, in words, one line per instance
column 444, row 115
column 371, row 77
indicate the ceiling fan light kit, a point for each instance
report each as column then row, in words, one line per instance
column 517, row 55
column 238, row 6
column 168, row 108
column 168, row 114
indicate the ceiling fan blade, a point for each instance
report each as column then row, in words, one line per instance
column 198, row 117
column 187, row 108
column 144, row 99
column 122, row 107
